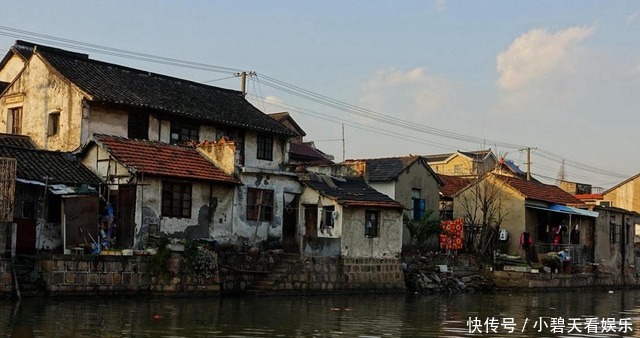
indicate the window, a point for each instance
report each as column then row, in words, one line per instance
column 371, row 223
column 419, row 204
column 53, row 125
column 182, row 132
column 176, row 199
column 138, row 125
column 328, row 214
column 614, row 230
column 15, row 121
column 265, row 147
column 259, row 205
column 457, row 169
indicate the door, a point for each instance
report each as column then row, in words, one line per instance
column 80, row 219
column 290, row 223
column 125, row 216
column 25, row 236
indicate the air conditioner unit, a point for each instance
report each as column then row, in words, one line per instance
column 606, row 204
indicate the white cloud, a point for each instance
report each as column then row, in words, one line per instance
column 270, row 99
column 633, row 17
column 536, row 54
column 411, row 92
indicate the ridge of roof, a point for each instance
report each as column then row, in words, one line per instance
column 348, row 191
column 121, row 85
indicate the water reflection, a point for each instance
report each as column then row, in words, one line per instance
column 315, row 316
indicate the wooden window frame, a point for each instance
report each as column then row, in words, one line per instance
column 260, row 205
column 264, row 147
column 15, row 118
column 177, row 199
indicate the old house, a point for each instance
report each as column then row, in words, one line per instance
column 60, row 98
column 546, row 212
column 54, row 192
column 161, row 188
column 406, row 179
column 451, row 185
column 463, row 163
column 613, row 238
column 344, row 217
column 301, row 153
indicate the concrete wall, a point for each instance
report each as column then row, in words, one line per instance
column 108, row 120
column 254, row 232
column 388, row 242
column 322, row 243
column 615, row 257
column 43, row 92
column 251, row 148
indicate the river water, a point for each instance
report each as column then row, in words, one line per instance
column 464, row 315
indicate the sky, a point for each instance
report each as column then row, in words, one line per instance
column 559, row 77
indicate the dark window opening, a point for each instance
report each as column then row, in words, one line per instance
column 138, row 125
column 265, row 147
column 371, row 223
column 182, row 132
column 259, row 205
column 419, row 205
column 176, row 199
column 328, row 217
column 54, row 209
column 53, row 125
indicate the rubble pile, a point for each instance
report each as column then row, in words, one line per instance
column 459, row 275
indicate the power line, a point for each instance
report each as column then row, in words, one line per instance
column 290, row 89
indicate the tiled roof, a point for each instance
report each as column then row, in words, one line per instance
column 453, row 184
column 389, row 168
column 479, row 154
column 162, row 159
column 285, row 118
column 45, row 166
column 540, row 191
column 19, row 141
column 348, row 191
column 306, row 153
column 115, row 84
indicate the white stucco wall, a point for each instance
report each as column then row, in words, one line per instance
column 388, row 242
column 388, row 188
column 311, row 197
column 253, row 231
column 109, row 121
column 251, row 149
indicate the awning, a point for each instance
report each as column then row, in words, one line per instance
column 574, row 211
column 57, row 189
column 567, row 210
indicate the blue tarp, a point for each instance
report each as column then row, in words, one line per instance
column 573, row 211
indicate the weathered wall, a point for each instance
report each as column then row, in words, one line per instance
column 324, row 242
column 251, row 148
column 11, row 68
column 108, row 120
column 45, row 92
column 294, row 274
column 209, row 205
column 387, row 243
column 416, row 176
column 617, row 256
column 255, row 232
column 222, row 153
column 94, row 158
column 121, row 275
column 6, row 277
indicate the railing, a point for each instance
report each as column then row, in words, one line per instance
column 576, row 252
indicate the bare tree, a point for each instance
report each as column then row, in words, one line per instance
column 483, row 206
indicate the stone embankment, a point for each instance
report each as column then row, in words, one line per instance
column 434, row 273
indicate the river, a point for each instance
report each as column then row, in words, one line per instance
column 463, row 315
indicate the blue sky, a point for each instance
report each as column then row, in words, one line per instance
column 561, row 76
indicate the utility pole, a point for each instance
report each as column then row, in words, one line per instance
column 528, row 163
column 243, row 81
column 343, row 151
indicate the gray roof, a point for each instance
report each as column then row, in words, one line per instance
column 114, row 84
